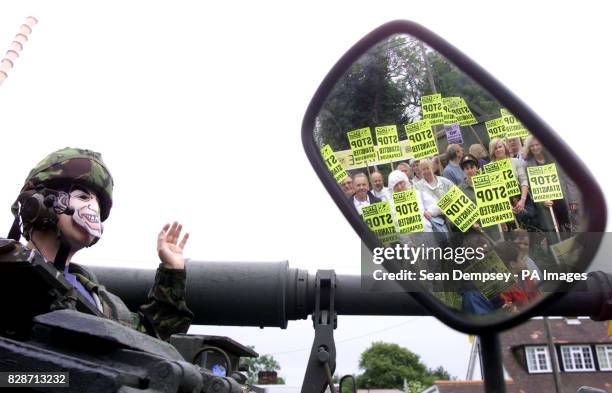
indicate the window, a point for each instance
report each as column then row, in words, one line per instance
column 577, row 358
column 538, row 359
column 604, row 355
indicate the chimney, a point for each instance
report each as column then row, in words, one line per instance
column 266, row 378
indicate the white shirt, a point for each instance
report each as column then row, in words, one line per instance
column 384, row 194
column 432, row 194
column 360, row 204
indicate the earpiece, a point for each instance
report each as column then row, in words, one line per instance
column 36, row 212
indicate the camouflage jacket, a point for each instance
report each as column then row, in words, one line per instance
column 165, row 312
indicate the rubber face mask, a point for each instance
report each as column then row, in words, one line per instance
column 86, row 210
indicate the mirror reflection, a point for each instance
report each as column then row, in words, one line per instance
column 464, row 200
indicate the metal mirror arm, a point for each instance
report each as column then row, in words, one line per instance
column 492, row 365
column 322, row 361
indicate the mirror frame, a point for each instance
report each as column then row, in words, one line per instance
column 595, row 209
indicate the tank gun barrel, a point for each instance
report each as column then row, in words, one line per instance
column 269, row 294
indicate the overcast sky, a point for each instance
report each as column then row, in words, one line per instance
column 197, row 111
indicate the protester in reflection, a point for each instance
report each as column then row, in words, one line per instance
column 525, row 290
column 472, row 300
column 522, row 241
column 398, row 182
column 522, row 205
column 453, row 171
column 405, row 168
column 378, row 187
column 516, row 149
column 479, row 151
column 438, row 168
column 347, row 187
column 536, row 155
column 469, row 165
column 414, row 165
column 433, row 188
column 362, row 196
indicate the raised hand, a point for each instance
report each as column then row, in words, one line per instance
column 170, row 253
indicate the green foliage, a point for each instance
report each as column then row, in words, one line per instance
column 347, row 385
column 451, row 82
column 386, row 366
column 416, row 387
column 384, row 86
column 371, row 93
column 261, row 363
column 441, row 374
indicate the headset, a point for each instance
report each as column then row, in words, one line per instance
column 39, row 208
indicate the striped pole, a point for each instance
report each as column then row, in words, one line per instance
column 12, row 54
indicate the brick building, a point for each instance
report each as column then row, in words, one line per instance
column 583, row 352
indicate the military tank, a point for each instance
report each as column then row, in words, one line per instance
column 41, row 336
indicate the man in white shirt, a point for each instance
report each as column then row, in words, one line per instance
column 363, row 196
column 379, row 190
column 516, row 149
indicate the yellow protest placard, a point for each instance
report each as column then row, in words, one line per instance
column 421, row 139
column 544, row 183
column 431, row 106
column 459, row 209
column 348, row 162
column 496, row 128
column 362, row 144
column 514, row 128
column 492, row 200
column 380, row 221
column 388, row 143
column 333, row 165
column 407, row 212
column 567, row 253
column 505, row 168
column 449, row 117
column 492, row 264
column 461, row 111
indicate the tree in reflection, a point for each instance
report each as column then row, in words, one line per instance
column 384, row 87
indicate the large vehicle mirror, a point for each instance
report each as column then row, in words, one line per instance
column 489, row 241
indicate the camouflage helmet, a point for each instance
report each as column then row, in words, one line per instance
column 72, row 165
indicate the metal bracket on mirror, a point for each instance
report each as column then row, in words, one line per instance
column 322, row 360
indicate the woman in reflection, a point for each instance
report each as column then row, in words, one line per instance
column 437, row 166
column 525, row 290
column 522, row 241
column 535, row 155
column 479, row 151
column 522, row 206
column 433, row 188
column 398, row 182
